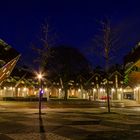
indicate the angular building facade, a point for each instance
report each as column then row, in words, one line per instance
column 132, row 73
column 8, row 60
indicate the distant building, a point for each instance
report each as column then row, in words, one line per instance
column 123, row 83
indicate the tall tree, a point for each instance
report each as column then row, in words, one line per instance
column 106, row 45
column 66, row 64
column 60, row 63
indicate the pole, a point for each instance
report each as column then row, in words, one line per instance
column 108, row 98
column 107, row 86
column 40, row 97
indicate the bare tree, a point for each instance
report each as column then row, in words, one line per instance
column 43, row 46
column 106, row 45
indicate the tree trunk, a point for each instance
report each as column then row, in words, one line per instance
column 66, row 93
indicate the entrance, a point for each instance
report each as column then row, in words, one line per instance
column 128, row 95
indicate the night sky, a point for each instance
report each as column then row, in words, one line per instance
column 74, row 22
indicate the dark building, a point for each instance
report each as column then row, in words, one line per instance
column 7, row 53
column 132, row 72
column 8, row 60
column 132, row 56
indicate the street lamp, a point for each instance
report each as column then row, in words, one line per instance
column 40, row 77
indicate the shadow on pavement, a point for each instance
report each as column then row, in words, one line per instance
column 41, row 129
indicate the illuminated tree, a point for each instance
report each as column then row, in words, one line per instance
column 106, row 45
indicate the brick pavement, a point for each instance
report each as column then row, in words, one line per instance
column 68, row 124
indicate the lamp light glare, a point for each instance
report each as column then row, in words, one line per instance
column 39, row 76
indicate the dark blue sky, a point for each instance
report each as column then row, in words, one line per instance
column 74, row 21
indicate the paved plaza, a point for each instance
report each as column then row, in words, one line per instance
column 69, row 123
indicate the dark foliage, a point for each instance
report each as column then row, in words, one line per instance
column 67, row 62
column 65, row 65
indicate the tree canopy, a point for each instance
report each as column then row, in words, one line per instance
column 67, row 61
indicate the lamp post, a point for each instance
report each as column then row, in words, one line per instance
column 40, row 76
